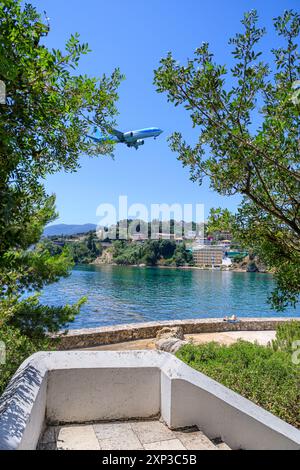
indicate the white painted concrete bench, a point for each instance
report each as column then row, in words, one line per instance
column 87, row 386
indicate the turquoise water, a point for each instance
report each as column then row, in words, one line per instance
column 130, row 295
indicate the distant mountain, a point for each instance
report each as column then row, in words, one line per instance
column 65, row 229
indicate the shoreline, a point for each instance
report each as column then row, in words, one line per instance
column 199, row 268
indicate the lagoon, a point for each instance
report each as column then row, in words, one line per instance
column 122, row 294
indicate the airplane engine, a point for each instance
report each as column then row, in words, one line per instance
column 140, row 142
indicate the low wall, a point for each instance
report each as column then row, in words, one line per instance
column 23, row 405
column 85, row 386
column 90, row 337
column 112, row 394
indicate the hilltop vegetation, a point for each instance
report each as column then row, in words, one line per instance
column 152, row 253
column 87, row 249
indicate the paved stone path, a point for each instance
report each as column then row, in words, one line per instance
column 230, row 337
column 130, row 435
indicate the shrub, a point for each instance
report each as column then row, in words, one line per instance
column 286, row 334
column 264, row 376
column 24, row 325
column 18, row 347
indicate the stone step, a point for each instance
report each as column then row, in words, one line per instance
column 127, row 435
column 194, row 439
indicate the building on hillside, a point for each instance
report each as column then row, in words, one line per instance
column 225, row 243
column 210, row 255
column 223, row 235
column 191, row 235
column 203, row 241
column 226, row 261
column 167, row 236
column 139, row 237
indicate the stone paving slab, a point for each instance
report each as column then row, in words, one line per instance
column 77, row 438
column 131, row 435
column 111, row 430
column 122, row 441
column 152, row 431
column 170, row 444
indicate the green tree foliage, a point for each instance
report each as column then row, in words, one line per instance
column 248, row 138
column 43, row 124
column 220, row 220
column 167, row 248
column 126, row 254
column 151, row 253
column 92, row 244
column 182, row 256
column 85, row 251
column 35, row 320
column 54, row 248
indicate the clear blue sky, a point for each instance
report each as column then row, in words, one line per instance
column 134, row 35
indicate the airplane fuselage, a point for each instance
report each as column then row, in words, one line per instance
column 133, row 136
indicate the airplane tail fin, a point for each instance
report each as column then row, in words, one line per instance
column 95, row 139
column 116, row 136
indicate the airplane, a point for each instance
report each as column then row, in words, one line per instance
column 130, row 138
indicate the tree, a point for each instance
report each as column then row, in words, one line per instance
column 182, row 256
column 43, row 125
column 50, row 245
column 220, row 220
column 167, row 248
column 91, row 245
column 250, row 124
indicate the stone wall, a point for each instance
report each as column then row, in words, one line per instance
column 91, row 337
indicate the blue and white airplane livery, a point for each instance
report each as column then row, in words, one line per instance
column 130, row 138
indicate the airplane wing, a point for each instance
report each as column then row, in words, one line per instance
column 94, row 139
column 118, row 134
